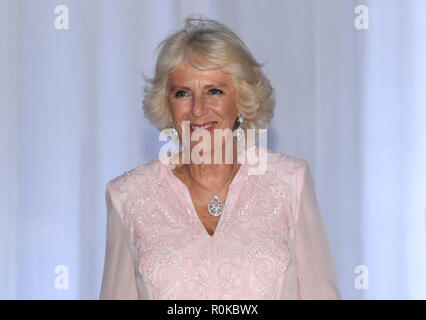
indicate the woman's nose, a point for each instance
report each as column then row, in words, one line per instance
column 199, row 105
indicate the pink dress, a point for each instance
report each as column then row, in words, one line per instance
column 269, row 243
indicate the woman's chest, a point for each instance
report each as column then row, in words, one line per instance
column 248, row 254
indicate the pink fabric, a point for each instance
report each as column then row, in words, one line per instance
column 270, row 242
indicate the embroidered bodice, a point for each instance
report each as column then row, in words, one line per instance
column 269, row 243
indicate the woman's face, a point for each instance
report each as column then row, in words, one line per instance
column 205, row 98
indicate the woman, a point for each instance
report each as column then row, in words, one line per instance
column 202, row 229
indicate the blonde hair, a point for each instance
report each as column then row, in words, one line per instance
column 207, row 44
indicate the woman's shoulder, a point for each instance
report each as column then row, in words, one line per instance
column 259, row 161
column 284, row 158
column 284, row 161
column 137, row 175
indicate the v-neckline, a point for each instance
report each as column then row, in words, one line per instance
column 229, row 199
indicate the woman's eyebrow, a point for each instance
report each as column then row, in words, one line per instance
column 173, row 88
column 213, row 85
column 216, row 85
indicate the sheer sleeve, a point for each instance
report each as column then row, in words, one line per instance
column 316, row 273
column 118, row 281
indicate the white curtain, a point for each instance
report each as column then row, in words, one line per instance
column 351, row 102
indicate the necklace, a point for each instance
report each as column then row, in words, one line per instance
column 215, row 206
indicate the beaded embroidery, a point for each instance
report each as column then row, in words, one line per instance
column 250, row 248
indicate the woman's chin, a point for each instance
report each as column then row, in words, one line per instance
column 201, row 155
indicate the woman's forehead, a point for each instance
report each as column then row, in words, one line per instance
column 186, row 73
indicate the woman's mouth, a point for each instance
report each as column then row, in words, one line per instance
column 206, row 126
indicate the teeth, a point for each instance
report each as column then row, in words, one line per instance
column 203, row 127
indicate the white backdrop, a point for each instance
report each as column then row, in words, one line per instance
column 351, row 102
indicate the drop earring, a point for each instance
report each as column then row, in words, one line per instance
column 174, row 136
column 239, row 132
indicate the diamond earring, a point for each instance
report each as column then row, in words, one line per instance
column 174, row 136
column 239, row 131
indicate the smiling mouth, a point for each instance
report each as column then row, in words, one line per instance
column 206, row 125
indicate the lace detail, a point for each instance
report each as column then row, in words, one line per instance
column 246, row 259
column 255, row 247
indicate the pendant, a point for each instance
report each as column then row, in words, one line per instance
column 215, row 210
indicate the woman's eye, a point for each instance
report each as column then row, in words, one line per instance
column 180, row 93
column 216, row 91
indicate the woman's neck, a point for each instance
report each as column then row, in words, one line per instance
column 211, row 175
